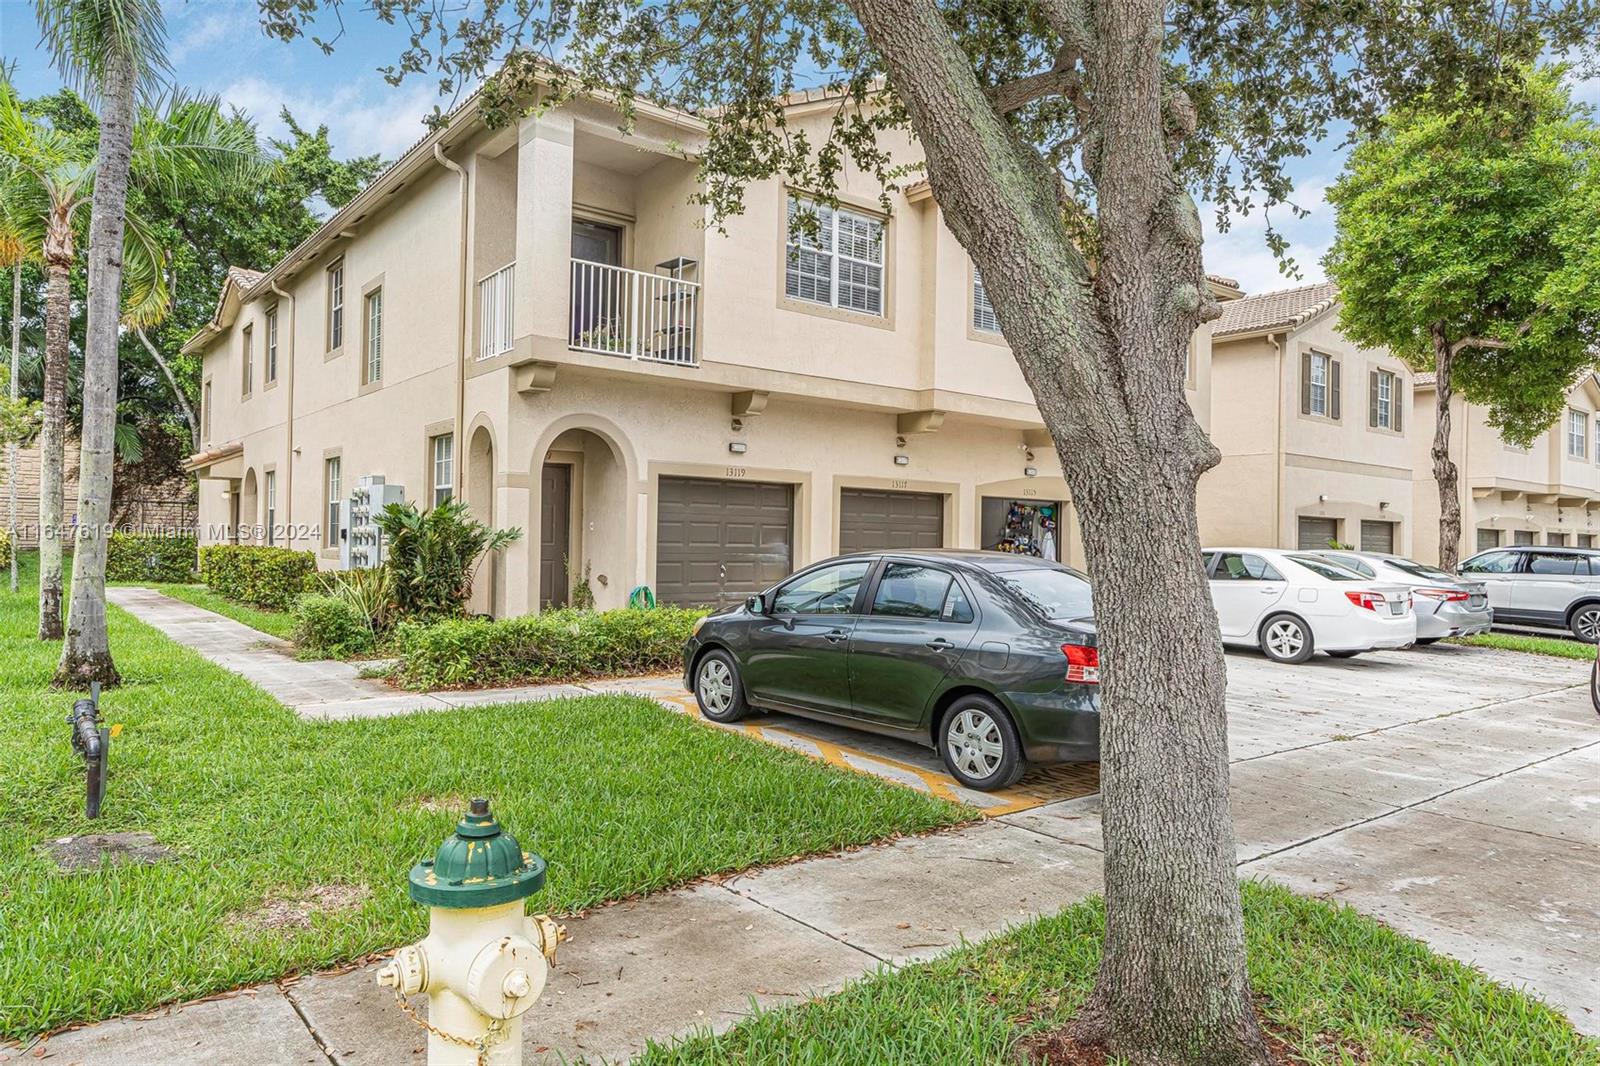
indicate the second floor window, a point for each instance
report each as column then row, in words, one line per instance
column 373, row 370
column 336, row 305
column 1319, row 385
column 205, row 412
column 983, row 317
column 444, row 468
column 249, row 357
column 330, row 476
column 271, row 369
column 1578, row 434
column 841, row 264
column 1384, row 401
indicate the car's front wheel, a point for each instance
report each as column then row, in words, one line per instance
column 980, row 744
column 1286, row 639
column 1585, row 623
column 717, row 688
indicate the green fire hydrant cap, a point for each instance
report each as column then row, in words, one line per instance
column 479, row 865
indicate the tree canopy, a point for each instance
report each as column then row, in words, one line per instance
column 1479, row 216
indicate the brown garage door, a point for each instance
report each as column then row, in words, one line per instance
column 1377, row 537
column 1316, row 533
column 870, row 520
column 719, row 541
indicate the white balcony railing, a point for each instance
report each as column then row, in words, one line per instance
column 616, row 311
column 494, row 312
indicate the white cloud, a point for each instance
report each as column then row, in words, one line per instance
column 1242, row 251
column 197, row 30
column 361, row 119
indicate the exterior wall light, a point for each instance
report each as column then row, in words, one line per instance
column 738, row 447
column 902, row 460
column 1030, row 471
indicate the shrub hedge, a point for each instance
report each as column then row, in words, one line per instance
column 5, row 548
column 146, row 557
column 255, row 574
column 330, row 627
column 555, row 646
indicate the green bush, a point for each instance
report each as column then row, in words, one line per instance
column 257, row 575
column 147, row 557
column 329, row 627
column 433, row 555
column 5, row 548
column 370, row 590
column 554, row 646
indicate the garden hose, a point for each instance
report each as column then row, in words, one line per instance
column 641, row 596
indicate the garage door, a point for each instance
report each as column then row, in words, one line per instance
column 1377, row 537
column 870, row 520
column 719, row 541
column 1318, row 533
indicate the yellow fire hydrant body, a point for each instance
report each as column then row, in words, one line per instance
column 484, row 962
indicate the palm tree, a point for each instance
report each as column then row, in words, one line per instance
column 13, row 252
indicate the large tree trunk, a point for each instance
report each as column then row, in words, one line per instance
column 1104, row 351
column 58, row 255
column 1444, row 468
column 86, row 656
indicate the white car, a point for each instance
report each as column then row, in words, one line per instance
column 1292, row 603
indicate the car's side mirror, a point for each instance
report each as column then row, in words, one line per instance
column 756, row 605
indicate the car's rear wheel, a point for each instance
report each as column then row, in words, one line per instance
column 980, row 744
column 1584, row 622
column 1286, row 639
column 717, row 688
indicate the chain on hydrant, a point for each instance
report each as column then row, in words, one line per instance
column 484, row 962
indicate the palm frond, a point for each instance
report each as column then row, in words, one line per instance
column 83, row 36
column 146, row 298
column 186, row 142
column 125, row 438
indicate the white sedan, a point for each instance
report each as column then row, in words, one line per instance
column 1290, row 604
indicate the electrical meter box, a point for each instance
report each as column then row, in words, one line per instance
column 363, row 544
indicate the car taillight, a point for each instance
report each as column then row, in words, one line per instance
column 1369, row 601
column 1444, row 595
column 1083, row 663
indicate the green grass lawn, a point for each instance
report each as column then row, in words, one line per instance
column 620, row 796
column 1340, row 988
column 1560, row 647
column 276, row 623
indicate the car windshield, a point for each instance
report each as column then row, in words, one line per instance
column 1323, row 568
column 1422, row 570
column 1054, row 593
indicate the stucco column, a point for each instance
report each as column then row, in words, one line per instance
column 511, row 500
column 544, row 225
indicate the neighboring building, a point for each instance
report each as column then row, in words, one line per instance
column 537, row 320
column 1547, row 493
column 1317, row 434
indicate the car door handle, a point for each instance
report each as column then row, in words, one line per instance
column 834, row 636
column 940, row 644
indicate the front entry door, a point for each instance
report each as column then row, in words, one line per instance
column 555, row 512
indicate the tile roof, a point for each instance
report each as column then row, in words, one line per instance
column 1283, row 309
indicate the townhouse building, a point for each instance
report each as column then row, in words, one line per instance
column 1318, row 436
column 1546, row 493
column 538, row 320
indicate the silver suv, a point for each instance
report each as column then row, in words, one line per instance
column 1557, row 587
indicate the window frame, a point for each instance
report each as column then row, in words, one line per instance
column 1577, row 442
column 869, row 606
column 247, row 342
column 1387, row 404
column 205, row 411
column 828, row 220
column 372, row 335
column 335, row 317
column 269, row 504
column 1325, row 362
column 980, row 305
column 433, row 465
column 333, row 498
column 269, row 368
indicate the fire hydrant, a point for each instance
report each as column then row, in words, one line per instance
column 484, row 962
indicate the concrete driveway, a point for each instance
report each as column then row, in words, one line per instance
column 1452, row 792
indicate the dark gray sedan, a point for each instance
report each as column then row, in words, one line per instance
column 991, row 659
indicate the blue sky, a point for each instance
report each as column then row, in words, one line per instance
column 217, row 46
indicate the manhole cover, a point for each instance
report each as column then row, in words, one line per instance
column 91, row 851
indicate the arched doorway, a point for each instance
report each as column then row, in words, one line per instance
column 584, row 516
column 487, row 594
column 249, row 520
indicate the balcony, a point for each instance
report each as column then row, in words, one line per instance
column 634, row 314
column 494, row 312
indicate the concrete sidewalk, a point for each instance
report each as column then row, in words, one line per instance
column 1448, row 792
